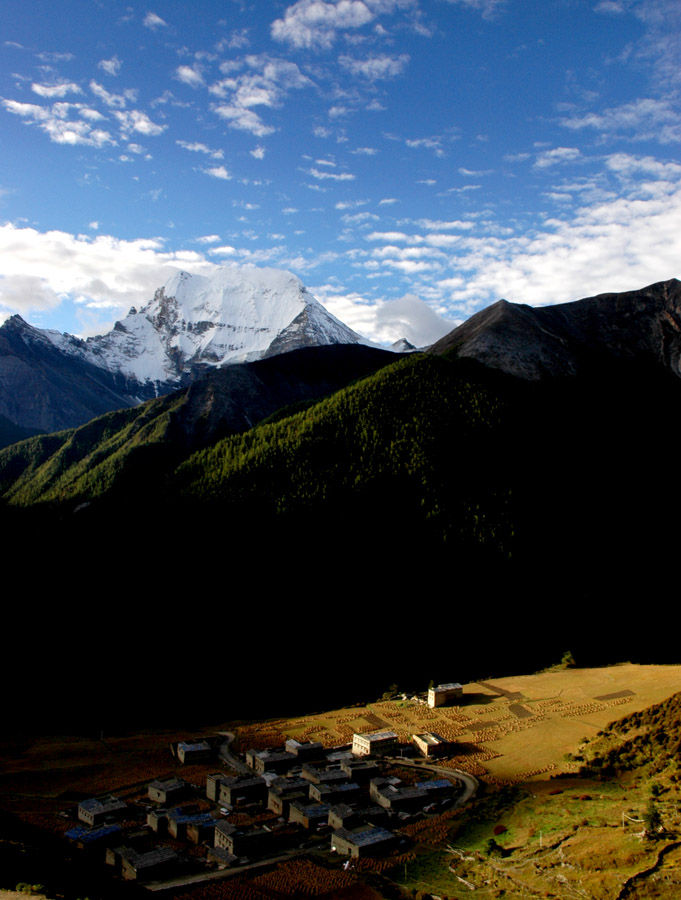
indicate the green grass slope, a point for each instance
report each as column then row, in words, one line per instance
column 126, row 454
column 83, row 463
column 612, row 832
column 648, row 742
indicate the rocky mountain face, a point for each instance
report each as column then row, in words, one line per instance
column 636, row 327
column 45, row 388
column 192, row 324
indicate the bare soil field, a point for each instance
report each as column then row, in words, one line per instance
column 512, row 729
column 566, row 706
column 18, row 895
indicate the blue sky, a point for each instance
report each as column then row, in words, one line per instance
column 408, row 159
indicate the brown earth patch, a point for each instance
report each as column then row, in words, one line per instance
column 510, row 695
column 616, row 695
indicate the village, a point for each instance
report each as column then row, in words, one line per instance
column 270, row 804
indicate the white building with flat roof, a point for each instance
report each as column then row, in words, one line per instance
column 444, row 694
column 432, row 744
column 377, row 743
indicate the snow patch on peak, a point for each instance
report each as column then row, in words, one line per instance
column 175, row 283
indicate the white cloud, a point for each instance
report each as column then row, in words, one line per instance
column 189, row 75
column 219, row 172
column 196, row 147
column 114, row 101
column 86, row 112
column 22, row 293
column 101, row 271
column 430, row 143
column 314, row 24
column 459, row 190
column 208, row 239
column 556, row 156
column 609, row 6
column 516, row 157
column 151, row 20
column 439, row 225
column 333, row 176
column 612, row 245
column 136, row 120
column 56, row 56
column 660, row 43
column 645, row 119
column 56, row 90
column 223, row 251
column 266, row 81
column 386, row 321
column 244, row 120
column 236, row 40
column 277, row 73
column 410, row 266
column 391, row 252
column 630, row 166
column 387, row 236
column 488, row 8
column 110, row 66
column 358, row 218
column 443, row 240
column 375, row 67
column 258, row 152
column 55, row 122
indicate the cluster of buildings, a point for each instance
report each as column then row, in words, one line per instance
column 346, row 792
column 342, row 791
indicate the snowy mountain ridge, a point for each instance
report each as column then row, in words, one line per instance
column 195, row 322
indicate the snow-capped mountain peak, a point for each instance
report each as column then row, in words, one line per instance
column 193, row 322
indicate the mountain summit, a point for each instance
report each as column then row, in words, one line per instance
column 191, row 325
column 195, row 322
column 640, row 327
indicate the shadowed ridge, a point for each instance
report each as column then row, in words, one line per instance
column 500, row 312
column 510, row 337
column 44, row 389
column 642, row 326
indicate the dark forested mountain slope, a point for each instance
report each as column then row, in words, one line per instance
column 80, row 464
column 11, row 433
